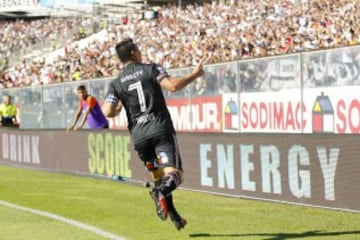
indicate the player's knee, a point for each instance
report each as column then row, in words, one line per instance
column 176, row 177
column 157, row 174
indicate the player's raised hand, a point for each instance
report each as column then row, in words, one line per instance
column 199, row 68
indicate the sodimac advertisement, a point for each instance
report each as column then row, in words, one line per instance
column 320, row 110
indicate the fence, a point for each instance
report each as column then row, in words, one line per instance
column 289, row 93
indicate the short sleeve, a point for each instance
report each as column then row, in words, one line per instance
column 91, row 101
column 159, row 73
column 111, row 96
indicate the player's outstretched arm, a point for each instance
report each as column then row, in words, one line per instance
column 174, row 84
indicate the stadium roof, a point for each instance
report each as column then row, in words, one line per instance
column 43, row 12
column 24, row 9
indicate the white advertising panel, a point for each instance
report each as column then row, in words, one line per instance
column 275, row 112
column 332, row 110
column 15, row 5
column 323, row 110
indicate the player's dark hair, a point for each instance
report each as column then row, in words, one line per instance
column 124, row 48
column 81, row 88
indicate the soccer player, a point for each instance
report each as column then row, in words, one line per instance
column 92, row 112
column 138, row 90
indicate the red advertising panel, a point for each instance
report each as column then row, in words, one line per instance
column 204, row 114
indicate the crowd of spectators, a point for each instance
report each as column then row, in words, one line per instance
column 21, row 35
column 179, row 36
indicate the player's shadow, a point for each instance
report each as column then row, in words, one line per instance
column 275, row 236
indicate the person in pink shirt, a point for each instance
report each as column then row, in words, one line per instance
column 92, row 112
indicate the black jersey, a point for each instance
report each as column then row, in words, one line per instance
column 138, row 88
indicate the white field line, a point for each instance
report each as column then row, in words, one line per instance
column 69, row 221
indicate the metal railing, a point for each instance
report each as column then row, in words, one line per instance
column 53, row 106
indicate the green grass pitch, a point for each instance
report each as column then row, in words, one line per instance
column 126, row 210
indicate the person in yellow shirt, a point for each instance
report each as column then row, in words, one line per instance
column 8, row 113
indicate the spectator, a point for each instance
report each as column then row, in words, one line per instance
column 8, row 113
column 238, row 30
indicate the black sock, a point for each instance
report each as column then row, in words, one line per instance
column 169, row 183
column 171, row 208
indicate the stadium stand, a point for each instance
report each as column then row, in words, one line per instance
column 170, row 33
